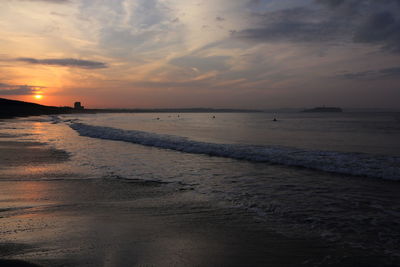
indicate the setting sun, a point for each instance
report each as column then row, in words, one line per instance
column 38, row 97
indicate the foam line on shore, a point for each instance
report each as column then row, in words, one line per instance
column 358, row 164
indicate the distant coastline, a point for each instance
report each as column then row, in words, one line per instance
column 174, row 110
column 324, row 109
column 13, row 108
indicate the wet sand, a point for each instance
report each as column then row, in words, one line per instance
column 118, row 222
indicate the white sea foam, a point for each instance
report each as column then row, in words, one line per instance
column 359, row 164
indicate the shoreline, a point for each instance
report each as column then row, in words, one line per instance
column 118, row 222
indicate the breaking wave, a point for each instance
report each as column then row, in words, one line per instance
column 358, row 164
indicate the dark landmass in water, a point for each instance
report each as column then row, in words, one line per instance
column 323, row 109
column 14, row 108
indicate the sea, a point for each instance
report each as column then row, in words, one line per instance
column 335, row 176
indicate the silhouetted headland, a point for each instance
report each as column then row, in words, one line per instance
column 14, row 108
column 324, row 109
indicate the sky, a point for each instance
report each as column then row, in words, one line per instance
column 201, row 53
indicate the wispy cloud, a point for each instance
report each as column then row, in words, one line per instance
column 65, row 62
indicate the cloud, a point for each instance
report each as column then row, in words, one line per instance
column 8, row 89
column 380, row 28
column 129, row 29
column 65, row 62
column 390, row 71
column 393, row 72
column 330, row 21
column 300, row 24
column 49, row 1
column 202, row 64
column 172, row 84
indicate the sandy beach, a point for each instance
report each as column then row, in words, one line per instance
column 104, row 222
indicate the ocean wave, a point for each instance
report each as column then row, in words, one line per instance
column 357, row 164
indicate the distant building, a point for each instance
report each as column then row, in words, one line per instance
column 77, row 105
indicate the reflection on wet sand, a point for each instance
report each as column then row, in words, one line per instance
column 119, row 223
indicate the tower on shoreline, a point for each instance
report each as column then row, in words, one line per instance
column 77, row 105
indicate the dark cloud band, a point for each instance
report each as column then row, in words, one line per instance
column 360, row 21
column 65, row 62
column 393, row 72
column 9, row 89
column 49, row 1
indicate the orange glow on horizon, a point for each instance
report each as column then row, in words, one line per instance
column 38, row 97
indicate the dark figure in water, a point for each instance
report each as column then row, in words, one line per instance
column 213, row 117
column 274, row 119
